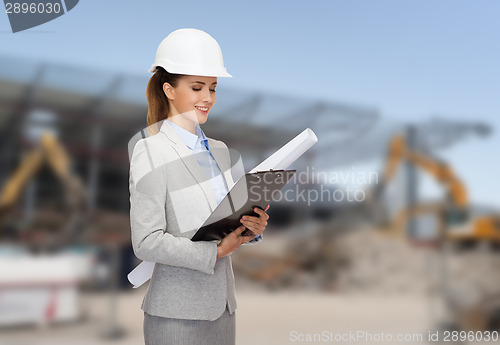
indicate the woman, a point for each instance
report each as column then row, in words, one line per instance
column 177, row 178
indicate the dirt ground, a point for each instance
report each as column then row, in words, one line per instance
column 262, row 318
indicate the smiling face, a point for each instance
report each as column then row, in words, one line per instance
column 192, row 99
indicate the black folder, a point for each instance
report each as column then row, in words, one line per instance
column 251, row 190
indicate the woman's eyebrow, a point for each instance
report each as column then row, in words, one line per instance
column 200, row 82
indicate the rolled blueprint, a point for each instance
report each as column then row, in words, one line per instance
column 281, row 159
column 289, row 153
column 141, row 274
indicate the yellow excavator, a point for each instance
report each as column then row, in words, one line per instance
column 469, row 307
column 453, row 215
column 51, row 151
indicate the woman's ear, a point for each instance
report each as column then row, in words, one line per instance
column 169, row 91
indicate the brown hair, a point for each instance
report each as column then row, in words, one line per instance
column 158, row 107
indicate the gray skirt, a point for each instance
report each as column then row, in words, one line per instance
column 166, row 331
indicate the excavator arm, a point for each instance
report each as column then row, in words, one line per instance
column 30, row 164
column 52, row 152
column 398, row 152
column 453, row 211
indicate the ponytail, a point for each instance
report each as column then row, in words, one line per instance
column 158, row 107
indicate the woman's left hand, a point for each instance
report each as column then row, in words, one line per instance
column 256, row 224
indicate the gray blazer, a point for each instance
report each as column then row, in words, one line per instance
column 170, row 198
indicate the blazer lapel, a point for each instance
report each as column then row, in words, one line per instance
column 191, row 163
column 219, row 153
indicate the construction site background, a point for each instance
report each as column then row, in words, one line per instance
column 393, row 229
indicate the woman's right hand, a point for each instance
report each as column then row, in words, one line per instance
column 232, row 242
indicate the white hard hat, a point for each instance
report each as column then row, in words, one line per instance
column 191, row 52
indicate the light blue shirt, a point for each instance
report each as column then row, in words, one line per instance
column 198, row 144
